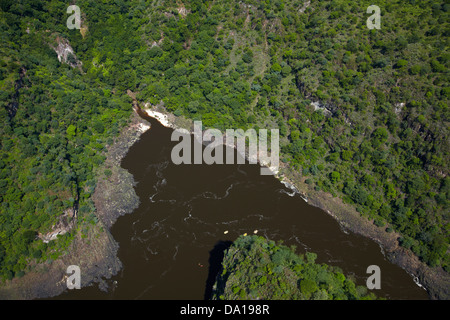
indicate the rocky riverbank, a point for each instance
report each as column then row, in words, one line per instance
column 93, row 249
column 114, row 195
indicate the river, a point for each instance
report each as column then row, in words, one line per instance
column 171, row 245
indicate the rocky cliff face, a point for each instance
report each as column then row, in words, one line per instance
column 14, row 104
column 115, row 196
column 66, row 54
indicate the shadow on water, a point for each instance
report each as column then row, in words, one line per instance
column 215, row 265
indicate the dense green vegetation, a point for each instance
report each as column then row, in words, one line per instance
column 381, row 146
column 257, row 268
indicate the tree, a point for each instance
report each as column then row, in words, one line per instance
column 335, row 176
column 276, row 67
column 286, row 70
column 71, row 131
column 308, row 287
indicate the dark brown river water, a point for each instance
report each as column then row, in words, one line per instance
column 171, row 245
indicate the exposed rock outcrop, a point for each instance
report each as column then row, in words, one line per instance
column 65, row 224
column 66, row 54
column 14, row 104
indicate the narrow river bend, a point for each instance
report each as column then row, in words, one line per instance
column 168, row 242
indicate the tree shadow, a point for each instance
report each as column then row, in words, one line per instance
column 215, row 265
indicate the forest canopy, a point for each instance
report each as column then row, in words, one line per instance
column 363, row 114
